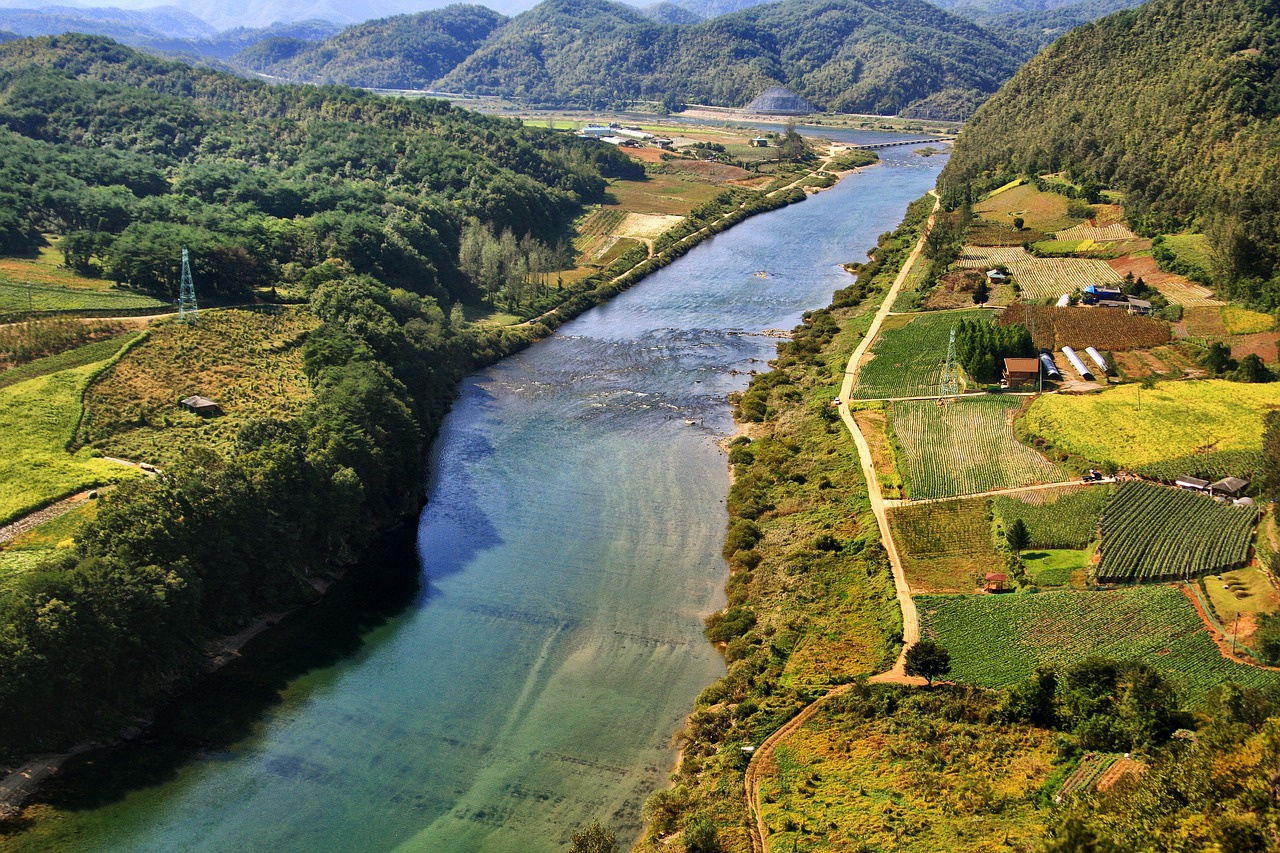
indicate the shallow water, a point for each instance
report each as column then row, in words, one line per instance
column 570, row 549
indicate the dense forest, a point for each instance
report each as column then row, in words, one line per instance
column 843, row 55
column 1177, row 106
column 361, row 205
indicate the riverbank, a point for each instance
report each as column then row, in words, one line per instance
column 225, row 650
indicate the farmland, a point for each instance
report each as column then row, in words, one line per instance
column 964, row 447
column 997, row 641
column 1066, row 518
column 247, row 361
column 1043, row 211
column 1056, row 566
column 1211, row 466
column 946, row 546
column 1176, row 419
column 907, row 358
column 43, row 297
column 1053, row 328
column 1151, row 532
column 1039, row 278
column 1115, row 232
column 38, row 419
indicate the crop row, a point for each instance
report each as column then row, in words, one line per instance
column 907, row 361
column 964, row 447
column 1053, row 328
column 1070, row 521
column 944, row 529
column 997, row 641
column 1039, row 278
column 1152, row 532
column 1208, row 466
column 21, row 297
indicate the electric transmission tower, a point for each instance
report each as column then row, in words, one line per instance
column 951, row 371
column 187, row 309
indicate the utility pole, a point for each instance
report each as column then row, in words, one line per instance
column 1233, row 633
column 187, row 308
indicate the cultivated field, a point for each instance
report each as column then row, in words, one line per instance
column 1114, row 232
column 1175, row 419
column 249, row 362
column 1039, row 278
column 1041, row 211
column 1105, row 328
column 964, row 447
column 946, row 546
column 1055, row 518
column 1209, row 466
column 38, row 420
column 997, row 641
column 44, row 297
column 907, row 357
column 1151, row 532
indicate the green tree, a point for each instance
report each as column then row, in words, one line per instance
column 928, row 660
column 1271, row 454
column 1217, row 359
column 701, row 836
column 1018, row 536
column 1252, row 369
column 792, row 146
column 982, row 292
column 593, row 839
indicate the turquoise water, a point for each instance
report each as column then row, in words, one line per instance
column 570, row 548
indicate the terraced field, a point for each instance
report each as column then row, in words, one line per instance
column 1039, row 278
column 964, row 447
column 997, row 641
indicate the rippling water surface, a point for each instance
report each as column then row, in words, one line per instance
column 570, row 549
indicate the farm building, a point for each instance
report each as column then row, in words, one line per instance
column 759, row 142
column 1139, row 306
column 996, row 276
column 202, row 406
column 1191, row 484
column 996, row 581
column 1230, row 487
column 1021, row 370
column 1095, row 293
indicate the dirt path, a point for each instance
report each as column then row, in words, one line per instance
column 995, row 492
column 762, row 758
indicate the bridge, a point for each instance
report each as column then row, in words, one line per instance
column 876, row 145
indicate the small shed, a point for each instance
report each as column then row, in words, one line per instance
column 1021, row 370
column 1191, row 484
column 1139, row 306
column 759, row 142
column 202, row 406
column 1230, row 487
column 996, row 276
column 996, row 581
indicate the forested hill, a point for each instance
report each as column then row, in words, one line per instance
column 406, row 52
column 1177, row 105
column 878, row 56
column 845, row 55
column 1033, row 24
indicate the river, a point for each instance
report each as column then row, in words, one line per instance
column 569, row 548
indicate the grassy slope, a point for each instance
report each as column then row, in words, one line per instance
column 1176, row 419
column 38, row 418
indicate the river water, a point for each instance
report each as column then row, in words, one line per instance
column 569, row 548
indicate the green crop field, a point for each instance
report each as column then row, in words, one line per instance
column 1152, row 532
column 1055, row 519
column 1055, row 566
column 946, row 546
column 38, row 419
column 1207, row 466
column 1176, row 419
column 907, row 357
column 39, row 297
column 998, row 640
column 964, row 447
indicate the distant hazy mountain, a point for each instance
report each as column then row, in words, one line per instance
column 879, row 56
column 225, row 14
column 1034, row 23
column 403, row 52
column 670, row 13
column 5, row 36
column 119, row 24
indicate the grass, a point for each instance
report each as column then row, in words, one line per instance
column 38, row 420
column 933, row 773
column 249, row 362
column 907, row 357
column 42, row 297
column 1042, row 211
column 1175, row 419
column 46, row 269
column 964, row 447
column 663, row 194
column 997, row 641
column 1055, row 566
column 1190, row 249
column 945, row 547
column 78, row 357
column 1066, row 518
column 1244, row 590
column 23, row 553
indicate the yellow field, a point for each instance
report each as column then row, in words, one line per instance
column 662, row 194
column 1132, row 426
column 37, row 419
column 1040, row 211
column 1242, row 321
